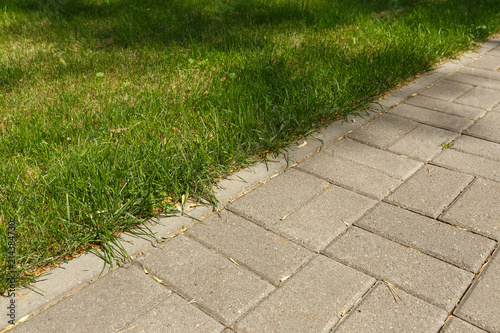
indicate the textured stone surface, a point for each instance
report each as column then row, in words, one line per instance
column 480, row 97
column 475, row 80
column 427, row 278
column 475, row 146
column 355, row 176
column 447, row 90
column 487, row 74
column 221, row 288
column 278, row 197
column 423, row 143
column 460, row 110
column 431, row 117
column 459, row 247
column 263, row 252
column 478, row 209
column 490, row 62
column 391, row 164
column 457, row 325
column 317, row 223
column 379, row 312
column 430, row 190
column 480, row 305
column 311, row 301
column 487, row 127
column 466, row 163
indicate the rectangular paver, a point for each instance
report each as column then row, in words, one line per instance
column 478, row 209
column 475, row 146
column 311, row 301
column 470, row 164
column 263, row 252
column 480, row 97
column 457, row 325
column 475, row 80
column 430, row 190
column 443, row 241
column 460, row 110
column 490, row 62
column 487, row 127
column 425, row 277
column 480, row 305
column 380, row 312
column 447, row 90
column 487, row 74
column 220, row 287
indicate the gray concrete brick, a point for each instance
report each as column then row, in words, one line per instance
column 475, row 80
column 443, row 241
column 103, row 306
column 263, row 252
column 422, row 276
column 417, row 85
column 459, row 110
column 358, row 177
column 447, row 90
column 391, row 164
column 449, row 67
column 383, row 130
column 278, row 197
column 174, row 315
column 487, row 74
column 474, row 146
column 477, row 209
column 311, row 301
column 480, row 97
column 423, row 143
column 221, row 288
column 380, row 312
column 457, row 325
column 431, row 117
column 430, row 191
column 487, row 127
column 317, row 223
column 490, row 62
column 480, row 304
column 470, row 164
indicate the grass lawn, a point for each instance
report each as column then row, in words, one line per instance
column 113, row 110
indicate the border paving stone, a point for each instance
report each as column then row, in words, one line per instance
column 487, row 127
column 431, row 117
column 485, row 98
column 383, row 130
column 478, row 209
column 263, row 252
column 457, row 325
column 358, row 177
column 490, row 62
column 487, row 74
column 311, row 301
column 443, row 241
column 321, row 220
column 219, row 287
column 423, row 143
column 475, row 146
column 418, row 84
column 447, row 90
column 460, row 110
column 475, row 80
column 467, row 163
column 278, row 197
column 393, row 165
column 425, row 277
column 379, row 312
column 104, row 306
column 480, row 305
column 430, row 190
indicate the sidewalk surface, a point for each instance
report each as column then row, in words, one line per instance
column 392, row 226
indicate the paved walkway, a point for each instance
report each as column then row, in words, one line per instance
column 393, row 226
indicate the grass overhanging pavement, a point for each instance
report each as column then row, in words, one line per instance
column 114, row 110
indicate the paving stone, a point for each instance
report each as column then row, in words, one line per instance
column 431, row 117
column 466, row 163
column 480, row 97
column 443, row 241
column 457, row 325
column 311, row 301
column 278, row 197
column 391, row 164
column 449, row 67
column 460, row 110
column 263, row 252
column 430, row 191
column 317, row 223
column 380, row 312
column 423, row 143
column 490, row 62
column 221, row 288
column 446, row 90
column 487, row 74
column 475, row 80
column 174, row 315
column 480, row 305
column 417, row 85
column 383, row 130
column 420, row 275
column 487, row 127
column 474, row 146
column 360, row 178
column 477, row 209
column 103, row 306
